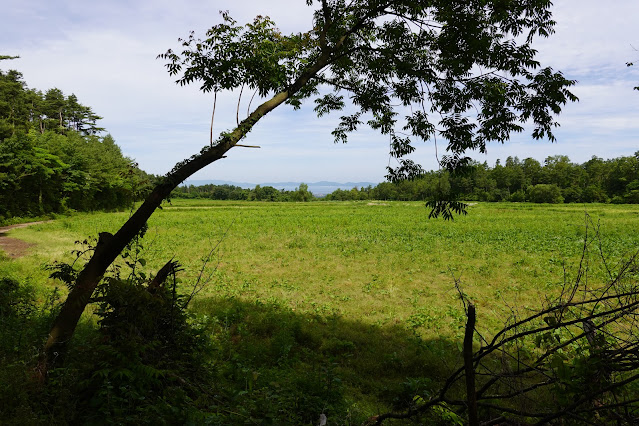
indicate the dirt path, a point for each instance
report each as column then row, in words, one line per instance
column 14, row 248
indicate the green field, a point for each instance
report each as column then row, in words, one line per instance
column 379, row 263
column 349, row 308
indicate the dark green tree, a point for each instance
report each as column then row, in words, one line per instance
column 30, row 178
column 623, row 179
column 411, row 69
column 51, row 158
column 544, row 193
column 532, row 171
column 54, row 108
column 515, row 173
column 302, row 193
column 13, row 104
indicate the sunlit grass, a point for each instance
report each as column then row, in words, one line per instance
column 352, row 293
column 383, row 264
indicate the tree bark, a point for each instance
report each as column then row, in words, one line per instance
column 109, row 247
column 473, row 418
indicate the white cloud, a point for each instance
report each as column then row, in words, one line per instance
column 105, row 53
column 591, row 35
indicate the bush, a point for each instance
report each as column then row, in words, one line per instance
column 23, row 327
column 147, row 359
column 572, row 194
column 544, row 193
column 145, row 363
column 594, row 194
column 517, row 196
column 16, row 302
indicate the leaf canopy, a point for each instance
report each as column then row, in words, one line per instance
column 462, row 71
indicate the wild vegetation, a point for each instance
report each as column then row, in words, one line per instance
column 375, row 319
column 237, row 193
column 346, row 309
column 52, row 159
column 388, row 56
column 557, row 181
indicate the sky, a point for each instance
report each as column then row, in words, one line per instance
column 105, row 53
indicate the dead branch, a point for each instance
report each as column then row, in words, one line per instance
column 469, row 368
column 572, row 359
column 170, row 267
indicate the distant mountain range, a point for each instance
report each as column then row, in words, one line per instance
column 317, row 188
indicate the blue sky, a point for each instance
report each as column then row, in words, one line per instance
column 105, row 53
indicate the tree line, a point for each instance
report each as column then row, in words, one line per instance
column 23, row 109
column 232, row 192
column 52, row 157
column 558, row 180
column 385, row 56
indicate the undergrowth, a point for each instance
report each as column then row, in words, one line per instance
column 145, row 357
column 149, row 360
column 153, row 354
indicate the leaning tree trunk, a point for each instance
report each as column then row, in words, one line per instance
column 109, row 246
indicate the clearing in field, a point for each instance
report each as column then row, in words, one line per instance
column 380, row 264
column 345, row 308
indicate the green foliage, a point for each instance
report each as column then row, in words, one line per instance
column 51, row 159
column 51, row 173
column 557, row 181
column 446, row 209
column 146, row 349
column 23, row 109
column 391, row 58
column 542, row 193
column 231, row 192
column 147, row 359
column 302, row 193
column 15, row 301
column 210, row 191
column 256, row 55
column 24, row 322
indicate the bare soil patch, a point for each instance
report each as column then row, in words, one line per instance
column 13, row 247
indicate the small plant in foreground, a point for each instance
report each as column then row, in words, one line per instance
column 147, row 362
column 574, row 361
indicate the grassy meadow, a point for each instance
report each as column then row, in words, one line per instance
column 359, row 297
column 379, row 263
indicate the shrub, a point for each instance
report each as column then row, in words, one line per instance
column 147, row 359
column 572, row 194
column 23, row 326
column 544, row 193
column 517, row 196
column 594, row 194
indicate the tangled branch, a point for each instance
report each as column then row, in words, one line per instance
column 575, row 359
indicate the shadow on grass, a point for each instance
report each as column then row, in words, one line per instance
column 259, row 364
column 344, row 368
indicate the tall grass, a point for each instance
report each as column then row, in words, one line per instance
column 346, row 308
column 379, row 263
